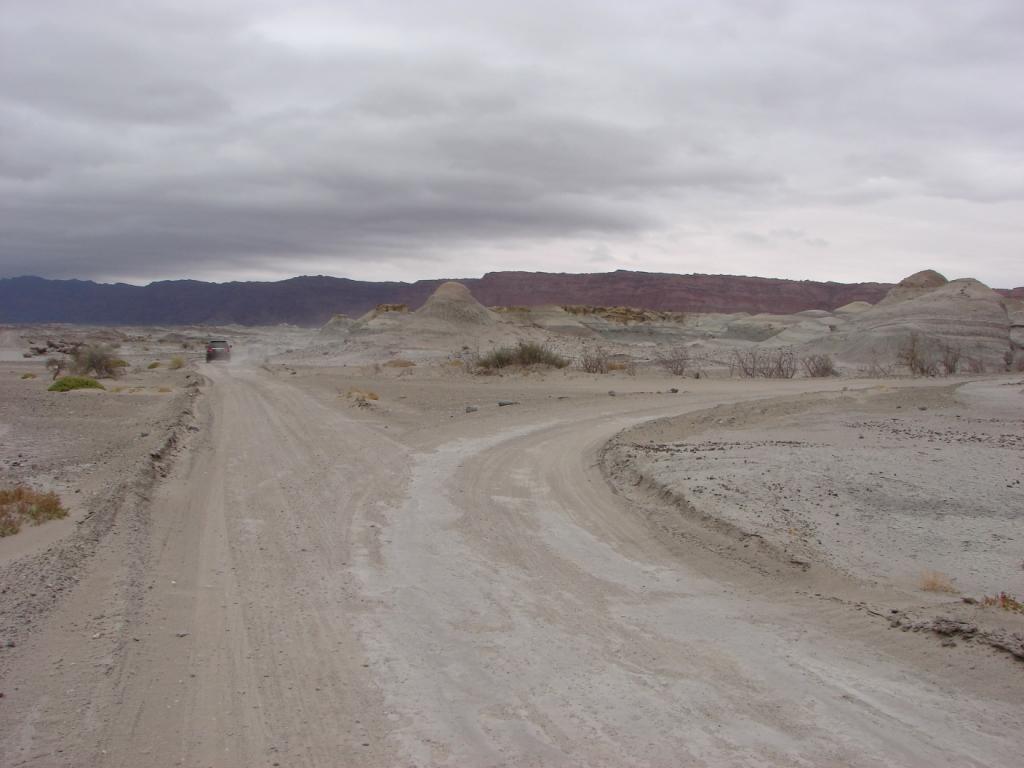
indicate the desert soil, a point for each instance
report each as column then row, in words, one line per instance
column 282, row 572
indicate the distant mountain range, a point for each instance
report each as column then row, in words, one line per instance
column 311, row 301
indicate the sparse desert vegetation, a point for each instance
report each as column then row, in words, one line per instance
column 765, row 363
column 784, row 482
column 56, row 366
column 919, row 355
column 362, row 398
column 676, row 361
column 1003, row 601
column 98, row 360
column 176, row 363
column 69, row 383
column 594, row 360
column 935, row 581
column 20, row 505
column 522, row 355
column 950, row 358
column 819, row 366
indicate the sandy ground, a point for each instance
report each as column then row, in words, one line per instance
column 319, row 581
column 882, row 485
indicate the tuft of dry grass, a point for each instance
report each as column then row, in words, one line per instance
column 522, row 355
column 154, row 364
column 1005, row 601
column 399, row 363
column 933, row 581
column 164, row 390
column 176, row 363
column 628, row 366
column 28, row 375
column 21, row 504
column 362, row 394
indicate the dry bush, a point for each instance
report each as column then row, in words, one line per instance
column 57, row 366
column 698, row 363
column 362, row 394
column 399, row 363
column 745, row 363
column 819, row 366
column 950, row 358
column 98, row 360
column 594, row 361
column 176, row 362
column 28, row 375
column 676, row 361
column 780, row 365
column 525, row 353
column 627, row 366
column 877, row 370
column 362, row 397
column 765, row 363
column 1004, row 601
column 155, row 364
column 1013, row 363
column 933, row 581
column 975, row 365
column 21, row 504
column 919, row 356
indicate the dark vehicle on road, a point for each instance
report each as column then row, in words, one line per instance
column 218, row 350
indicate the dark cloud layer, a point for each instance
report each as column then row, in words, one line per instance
column 263, row 138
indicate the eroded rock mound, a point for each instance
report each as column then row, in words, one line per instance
column 339, row 325
column 453, row 303
column 917, row 284
column 963, row 313
column 853, row 308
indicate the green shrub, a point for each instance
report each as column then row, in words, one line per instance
column 523, row 354
column 67, row 383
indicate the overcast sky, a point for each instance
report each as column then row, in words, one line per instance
column 261, row 139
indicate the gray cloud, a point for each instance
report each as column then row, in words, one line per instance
column 842, row 140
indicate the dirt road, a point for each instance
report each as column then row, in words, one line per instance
column 313, row 590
